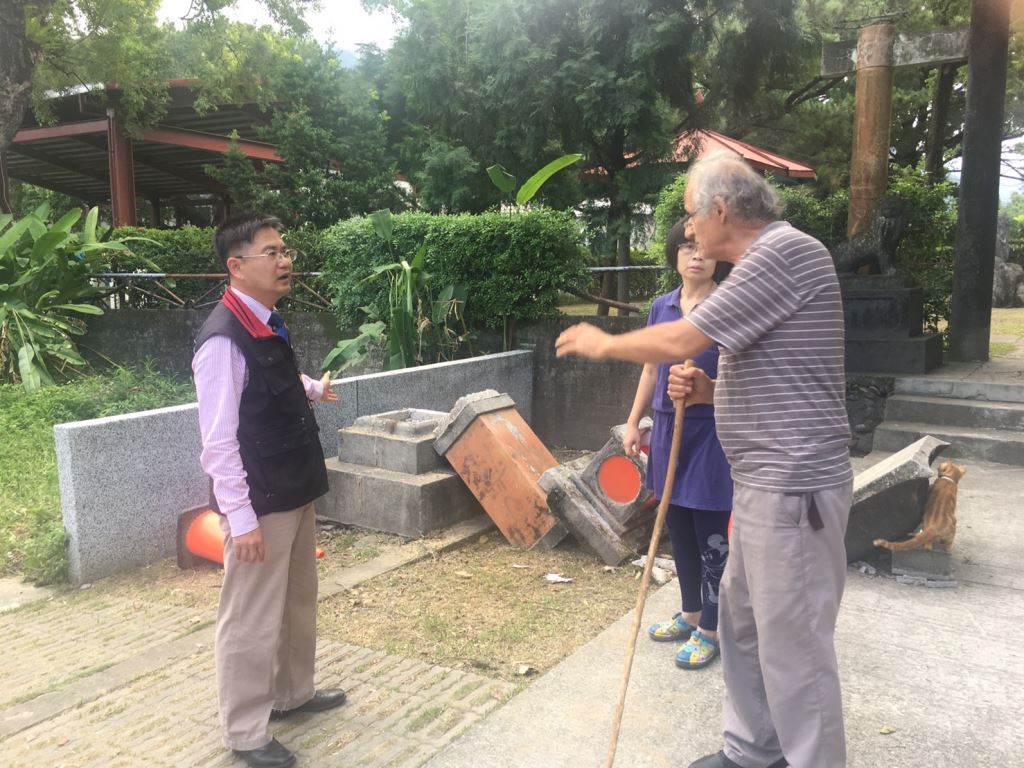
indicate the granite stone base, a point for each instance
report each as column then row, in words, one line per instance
column 123, row 482
column 395, row 502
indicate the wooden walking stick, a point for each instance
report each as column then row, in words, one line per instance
column 641, row 598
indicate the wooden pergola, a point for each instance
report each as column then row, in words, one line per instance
column 88, row 154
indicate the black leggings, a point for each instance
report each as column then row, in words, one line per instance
column 700, row 547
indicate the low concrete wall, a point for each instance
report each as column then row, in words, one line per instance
column 576, row 402
column 166, row 337
column 125, row 479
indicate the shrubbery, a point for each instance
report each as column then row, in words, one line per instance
column 189, row 250
column 925, row 253
column 512, row 265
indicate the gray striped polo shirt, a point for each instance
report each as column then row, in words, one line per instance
column 781, row 391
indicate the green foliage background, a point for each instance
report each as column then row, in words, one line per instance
column 925, row 252
column 511, row 264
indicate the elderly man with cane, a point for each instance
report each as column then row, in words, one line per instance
column 780, row 404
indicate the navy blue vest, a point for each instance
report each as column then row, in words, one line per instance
column 278, row 436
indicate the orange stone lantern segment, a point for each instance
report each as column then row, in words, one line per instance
column 500, row 459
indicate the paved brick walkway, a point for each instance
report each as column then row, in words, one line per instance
column 92, row 680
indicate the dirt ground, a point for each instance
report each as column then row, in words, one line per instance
column 485, row 606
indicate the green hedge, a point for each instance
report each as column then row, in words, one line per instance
column 513, row 265
column 189, row 250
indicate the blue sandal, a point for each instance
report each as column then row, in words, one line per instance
column 699, row 651
column 671, row 631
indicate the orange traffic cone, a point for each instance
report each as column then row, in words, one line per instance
column 200, row 538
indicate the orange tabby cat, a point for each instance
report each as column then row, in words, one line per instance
column 938, row 525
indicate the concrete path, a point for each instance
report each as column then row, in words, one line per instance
column 944, row 669
column 89, row 681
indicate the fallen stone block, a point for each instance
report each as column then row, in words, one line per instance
column 500, row 459
column 577, row 506
column 617, row 478
column 889, row 497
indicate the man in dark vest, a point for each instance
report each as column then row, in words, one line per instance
column 262, row 452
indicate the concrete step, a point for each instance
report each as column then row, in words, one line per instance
column 995, row 445
column 955, row 412
column 965, row 390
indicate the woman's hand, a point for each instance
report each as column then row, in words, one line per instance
column 631, row 440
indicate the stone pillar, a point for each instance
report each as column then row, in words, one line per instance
column 122, row 172
column 157, row 209
column 869, row 165
column 970, row 321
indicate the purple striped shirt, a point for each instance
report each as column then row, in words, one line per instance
column 780, row 400
column 221, row 374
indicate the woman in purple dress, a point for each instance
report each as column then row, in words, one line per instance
column 701, row 501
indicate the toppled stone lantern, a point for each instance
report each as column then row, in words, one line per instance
column 889, row 497
column 500, row 459
column 388, row 478
column 603, row 500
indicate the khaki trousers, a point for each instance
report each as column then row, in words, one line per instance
column 266, row 628
column 777, row 615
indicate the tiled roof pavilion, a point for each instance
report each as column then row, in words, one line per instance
column 87, row 154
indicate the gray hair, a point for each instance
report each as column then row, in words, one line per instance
column 727, row 176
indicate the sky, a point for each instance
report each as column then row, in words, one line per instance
column 342, row 22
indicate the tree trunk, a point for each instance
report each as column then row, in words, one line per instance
column 16, row 68
column 933, row 163
column 619, row 237
column 606, row 292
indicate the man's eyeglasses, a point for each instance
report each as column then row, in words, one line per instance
column 272, row 253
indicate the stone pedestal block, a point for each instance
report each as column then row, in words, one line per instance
column 883, row 315
column 588, row 518
column 889, row 497
column 395, row 502
column 500, row 459
column 387, row 476
column 617, row 479
column 402, row 441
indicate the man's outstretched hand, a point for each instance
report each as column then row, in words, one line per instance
column 584, row 340
column 329, row 395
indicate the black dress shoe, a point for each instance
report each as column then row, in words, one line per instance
column 272, row 755
column 328, row 698
column 719, row 760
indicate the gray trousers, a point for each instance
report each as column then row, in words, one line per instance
column 266, row 628
column 777, row 615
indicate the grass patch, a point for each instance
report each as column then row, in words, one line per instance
column 1000, row 348
column 472, row 609
column 1008, row 321
column 32, row 537
column 425, row 718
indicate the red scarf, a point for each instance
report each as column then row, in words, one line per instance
column 246, row 316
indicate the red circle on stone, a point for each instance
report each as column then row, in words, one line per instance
column 619, row 479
